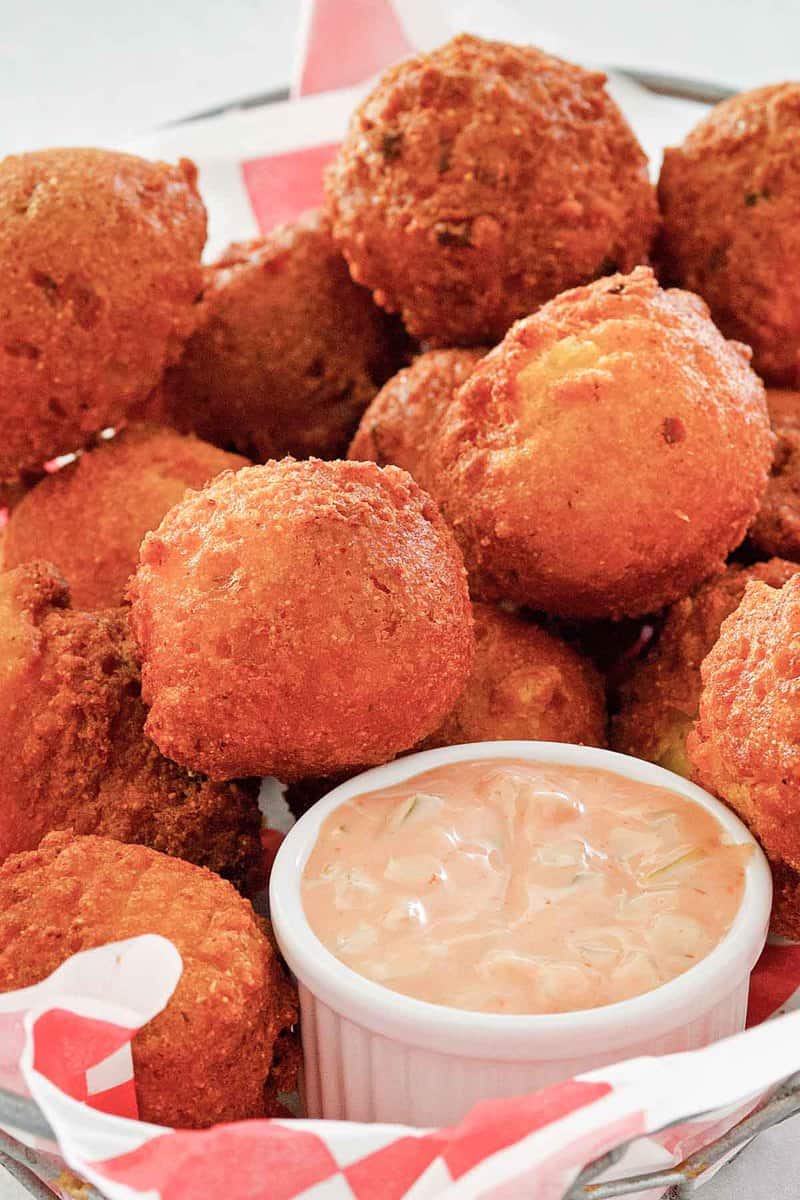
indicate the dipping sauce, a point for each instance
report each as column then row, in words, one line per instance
column 510, row 886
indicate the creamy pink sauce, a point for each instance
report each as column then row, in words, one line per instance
column 520, row 887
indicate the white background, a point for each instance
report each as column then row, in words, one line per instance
column 78, row 72
column 101, row 71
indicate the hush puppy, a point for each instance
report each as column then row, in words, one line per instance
column 288, row 352
column 745, row 746
column 480, row 180
column 99, row 273
column 660, row 697
column 729, row 202
column 526, row 683
column 297, row 619
column 89, row 518
column 220, row 1049
column 401, row 421
column 607, row 455
column 73, row 753
column 776, row 529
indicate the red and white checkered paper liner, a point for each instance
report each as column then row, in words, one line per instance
column 66, row 1041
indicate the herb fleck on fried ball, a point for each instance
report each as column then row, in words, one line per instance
column 99, row 272
column 482, row 179
column 660, row 697
column 221, row 1049
column 73, row 753
column 745, row 746
column 526, row 684
column 401, row 421
column 607, row 455
column 89, row 518
column 296, row 619
column 729, row 201
column 288, row 352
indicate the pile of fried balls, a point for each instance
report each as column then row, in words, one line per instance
column 503, row 442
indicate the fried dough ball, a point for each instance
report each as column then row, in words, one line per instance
column 482, row 179
column 660, row 696
column 90, row 517
column 298, row 619
column 288, row 352
column 607, row 455
column 220, row 1048
column 99, row 273
column 400, row 422
column 73, row 753
column 729, row 203
column 745, row 746
column 776, row 529
column 525, row 684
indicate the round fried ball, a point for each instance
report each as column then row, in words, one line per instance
column 745, row 746
column 220, row 1048
column 482, row 179
column 289, row 351
column 90, row 517
column 729, row 201
column 607, row 455
column 401, row 421
column 659, row 698
column 525, row 684
column 776, row 529
column 73, row 752
column 99, row 273
column 297, row 619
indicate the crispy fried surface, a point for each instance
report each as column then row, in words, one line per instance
column 297, row 619
column 207, row 1057
column 525, row 683
column 729, row 201
column 660, row 697
column 776, row 529
column 482, row 179
column 745, row 746
column 401, row 421
column 289, row 351
column 101, row 268
column 74, row 754
column 89, row 518
column 785, row 919
column 607, row 455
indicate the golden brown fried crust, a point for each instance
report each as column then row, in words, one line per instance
column 729, row 202
column 525, row 684
column 660, row 697
column 101, row 269
column 480, row 180
column 776, row 529
column 289, row 351
column 401, row 421
column 208, row 1056
column 298, row 619
column 606, row 456
column 74, row 753
column 745, row 746
column 89, row 518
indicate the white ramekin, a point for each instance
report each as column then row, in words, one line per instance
column 375, row 1055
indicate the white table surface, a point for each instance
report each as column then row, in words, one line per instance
column 78, row 72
